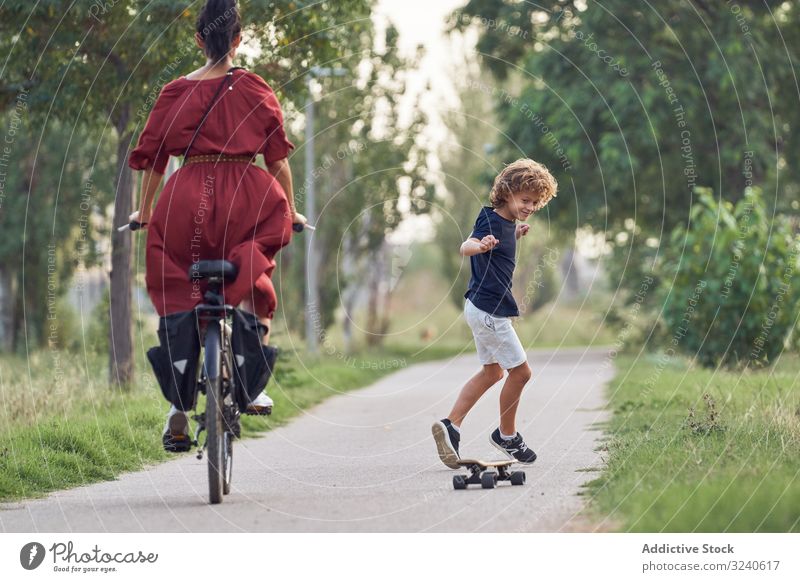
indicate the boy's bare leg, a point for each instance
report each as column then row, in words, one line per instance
column 510, row 395
column 475, row 387
column 247, row 305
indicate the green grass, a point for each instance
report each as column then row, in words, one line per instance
column 690, row 449
column 62, row 426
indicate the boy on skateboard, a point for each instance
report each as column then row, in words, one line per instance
column 522, row 188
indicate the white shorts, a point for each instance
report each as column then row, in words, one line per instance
column 495, row 338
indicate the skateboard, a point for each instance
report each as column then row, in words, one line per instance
column 480, row 473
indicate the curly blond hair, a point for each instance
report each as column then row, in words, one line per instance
column 524, row 175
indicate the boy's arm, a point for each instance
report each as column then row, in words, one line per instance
column 480, row 240
column 474, row 246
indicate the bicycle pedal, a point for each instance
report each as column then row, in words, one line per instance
column 176, row 443
column 258, row 411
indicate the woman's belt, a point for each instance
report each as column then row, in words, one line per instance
column 219, row 158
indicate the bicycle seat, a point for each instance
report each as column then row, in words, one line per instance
column 207, row 269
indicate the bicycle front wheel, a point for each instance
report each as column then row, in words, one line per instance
column 213, row 416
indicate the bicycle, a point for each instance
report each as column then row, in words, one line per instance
column 221, row 418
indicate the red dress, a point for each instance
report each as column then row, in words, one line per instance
column 227, row 210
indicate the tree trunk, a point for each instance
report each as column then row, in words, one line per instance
column 8, row 303
column 120, row 331
column 28, row 312
column 378, row 304
column 384, row 316
column 348, row 295
column 374, row 282
column 347, row 323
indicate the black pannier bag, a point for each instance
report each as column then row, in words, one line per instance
column 174, row 362
column 253, row 362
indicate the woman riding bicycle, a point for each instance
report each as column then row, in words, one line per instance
column 219, row 204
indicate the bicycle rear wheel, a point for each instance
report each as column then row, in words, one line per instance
column 213, row 416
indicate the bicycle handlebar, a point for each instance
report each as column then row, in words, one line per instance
column 134, row 225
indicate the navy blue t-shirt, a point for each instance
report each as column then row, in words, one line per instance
column 490, row 284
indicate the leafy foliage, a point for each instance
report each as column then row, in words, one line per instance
column 636, row 104
column 96, row 66
column 103, row 61
column 55, row 186
column 729, row 282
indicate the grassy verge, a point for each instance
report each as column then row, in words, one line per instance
column 690, row 449
column 60, row 430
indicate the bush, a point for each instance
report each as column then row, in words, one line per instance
column 634, row 311
column 97, row 330
column 62, row 331
column 729, row 284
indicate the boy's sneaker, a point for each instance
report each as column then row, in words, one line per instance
column 176, row 438
column 515, row 449
column 447, row 438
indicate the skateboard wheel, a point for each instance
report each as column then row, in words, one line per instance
column 459, row 482
column 518, row 478
column 488, row 480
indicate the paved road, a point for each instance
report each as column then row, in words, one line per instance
column 365, row 461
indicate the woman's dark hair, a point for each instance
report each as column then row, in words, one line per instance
column 217, row 25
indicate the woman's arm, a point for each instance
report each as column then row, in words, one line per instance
column 151, row 182
column 283, row 174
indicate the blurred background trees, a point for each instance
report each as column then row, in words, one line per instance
column 659, row 122
column 96, row 65
column 370, row 174
column 637, row 108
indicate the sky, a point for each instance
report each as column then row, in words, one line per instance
column 422, row 22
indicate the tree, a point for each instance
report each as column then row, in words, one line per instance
column 640, row 103
column 52, row 187
column 371, row 172
column 94, row 64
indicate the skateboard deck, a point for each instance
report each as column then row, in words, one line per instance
column 485, row 464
